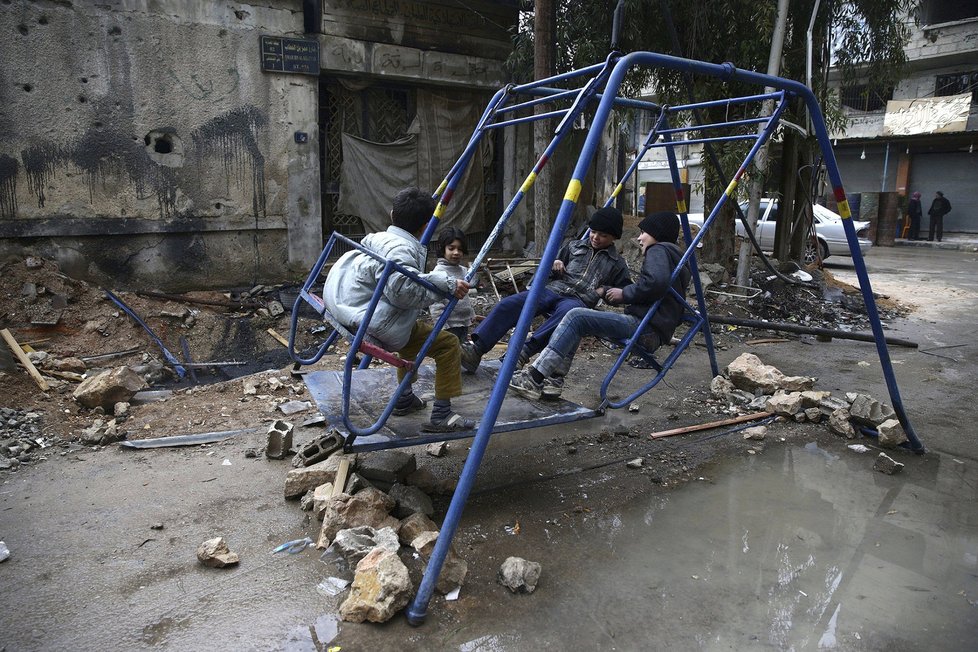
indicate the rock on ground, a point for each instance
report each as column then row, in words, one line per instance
column 748, row 373
column 519, row 575
column 868, row 411
column 891, row 433
column 108, row 388
column 784, row 404
column 886, row 464
column 409, row 500
column 387, row 466
column 453, row 569
column 369, row 507
column 216, row 554
column 756, row 433
column 413, row 526
column 381, row 588
column 299, row 481
column 355, row 543
column 839, row 424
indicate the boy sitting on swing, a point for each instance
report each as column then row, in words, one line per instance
column 661, row 255
column 350, row 286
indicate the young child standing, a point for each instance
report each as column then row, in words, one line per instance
column 451, row 249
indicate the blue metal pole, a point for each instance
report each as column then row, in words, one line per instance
column 418, row 608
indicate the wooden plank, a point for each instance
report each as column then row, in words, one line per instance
column 24, row 360
column 713, row 424
column 339, row 483
column 278, row 338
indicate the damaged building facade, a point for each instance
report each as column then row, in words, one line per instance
column 922, row 135
column 180, row 143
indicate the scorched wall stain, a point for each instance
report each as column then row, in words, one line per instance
column 8, row 186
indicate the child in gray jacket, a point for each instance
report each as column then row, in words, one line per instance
column 395, row 326
column 451, row 248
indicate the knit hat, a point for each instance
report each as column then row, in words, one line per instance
column 607, row 220
column 916, row 195
column 664, row 226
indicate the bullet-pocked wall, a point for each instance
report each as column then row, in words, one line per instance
column 142, row 145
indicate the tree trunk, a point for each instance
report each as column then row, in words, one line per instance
column 544, row 18
column 789, row 185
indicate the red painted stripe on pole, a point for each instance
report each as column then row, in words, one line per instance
column 840, row 193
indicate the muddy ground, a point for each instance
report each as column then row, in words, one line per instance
column 77, row 519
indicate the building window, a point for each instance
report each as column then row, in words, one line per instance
column 962, row 82
column 936, row 12
column 862, row 98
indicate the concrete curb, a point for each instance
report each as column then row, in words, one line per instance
column 952, row 244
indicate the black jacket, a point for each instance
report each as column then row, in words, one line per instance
column 940, row 207
column 657, row 267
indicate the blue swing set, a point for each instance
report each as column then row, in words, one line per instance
column 354, row 392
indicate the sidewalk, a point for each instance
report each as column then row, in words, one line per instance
column 955, row 241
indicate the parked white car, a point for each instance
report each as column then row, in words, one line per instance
column 829, row 230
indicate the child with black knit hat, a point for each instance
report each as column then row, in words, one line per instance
column 581, row 267
column 544, row 377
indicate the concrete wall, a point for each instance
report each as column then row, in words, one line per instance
column 141, row 144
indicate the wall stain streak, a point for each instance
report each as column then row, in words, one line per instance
column 8, row 186
column 233, row 135
column 40, row 162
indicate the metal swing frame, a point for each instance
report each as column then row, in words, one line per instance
column 601, row 87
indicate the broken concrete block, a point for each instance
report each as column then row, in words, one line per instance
column 869, row 412
column 413, row 526
column 755, row 433
column 813, row 414
column 830, row 404
column 279, row 442
column 216, row 554
column 453, row 569
column 410, row 500
column 120, row 409
column 425, row 480
column 720, row 387
column 436, row 449
column 275, row 308
column 811, row 398
column 886, row 464
column 249, row 385
column 748, row 373
column 108, row 388
column 519, row 575
column 636, row 463
column 369, row 507
column 381, row 588
column 784, row 404
column 840, row 425
column 305, row 503
column 891, row 433
column 799, row 417
column 355, row 483
column 387, row 466
column 299, row 481
column 73, row 365
column 355, row 543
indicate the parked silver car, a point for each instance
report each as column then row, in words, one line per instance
column 829, row 232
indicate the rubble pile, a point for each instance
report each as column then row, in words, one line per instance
column 375, row 513
column 20, row 437
column 748, row 385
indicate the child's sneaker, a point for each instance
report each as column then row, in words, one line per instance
column 552, row 388
column 407, row 406
column 454, row 422
column 524, row 385
column 470, row 357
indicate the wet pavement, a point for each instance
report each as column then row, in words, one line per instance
column 800, row 546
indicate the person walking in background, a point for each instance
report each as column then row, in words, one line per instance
column 938, row 209
column 915, row 212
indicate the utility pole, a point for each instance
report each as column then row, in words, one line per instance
column 544, row 19
column 761, row 160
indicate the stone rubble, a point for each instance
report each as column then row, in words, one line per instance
column 519, row 575
column 108, row 388
column 354, row 543
column 216, row 554
column 886, row 464
column 891, row 433
column 381, row 588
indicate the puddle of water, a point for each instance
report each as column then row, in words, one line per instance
column 798, row 548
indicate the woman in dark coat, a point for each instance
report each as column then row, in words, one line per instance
column 915, row 212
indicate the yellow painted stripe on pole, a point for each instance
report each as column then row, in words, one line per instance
column 442, row 186
column 730, row 189
column 439, row 210
column 616, row 191
column 844, row 211
column 681, row 206
column 573, row 191
column 528, row 183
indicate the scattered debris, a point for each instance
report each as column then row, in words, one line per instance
column 453, row 568
column 634, row 407
column 636, row 463
column 156, row 526
column 299, row 481
column 333, row 586
column 748, row 373
column 216, row 554
column 436, row 449
column 293, row 547
column 891, row 434
column 413, row 526
column 355, row 543
column 858, row 448
column 868, row 411
column 187, row 440
column 886, row 464
column 369, row 507
column 108, row 388
column 839, row 424
column 388, row 466
column 318, row 449
column 4, row 552
column 294, row 407
column 410, row 500
column 519, row 575
column 279, row 442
